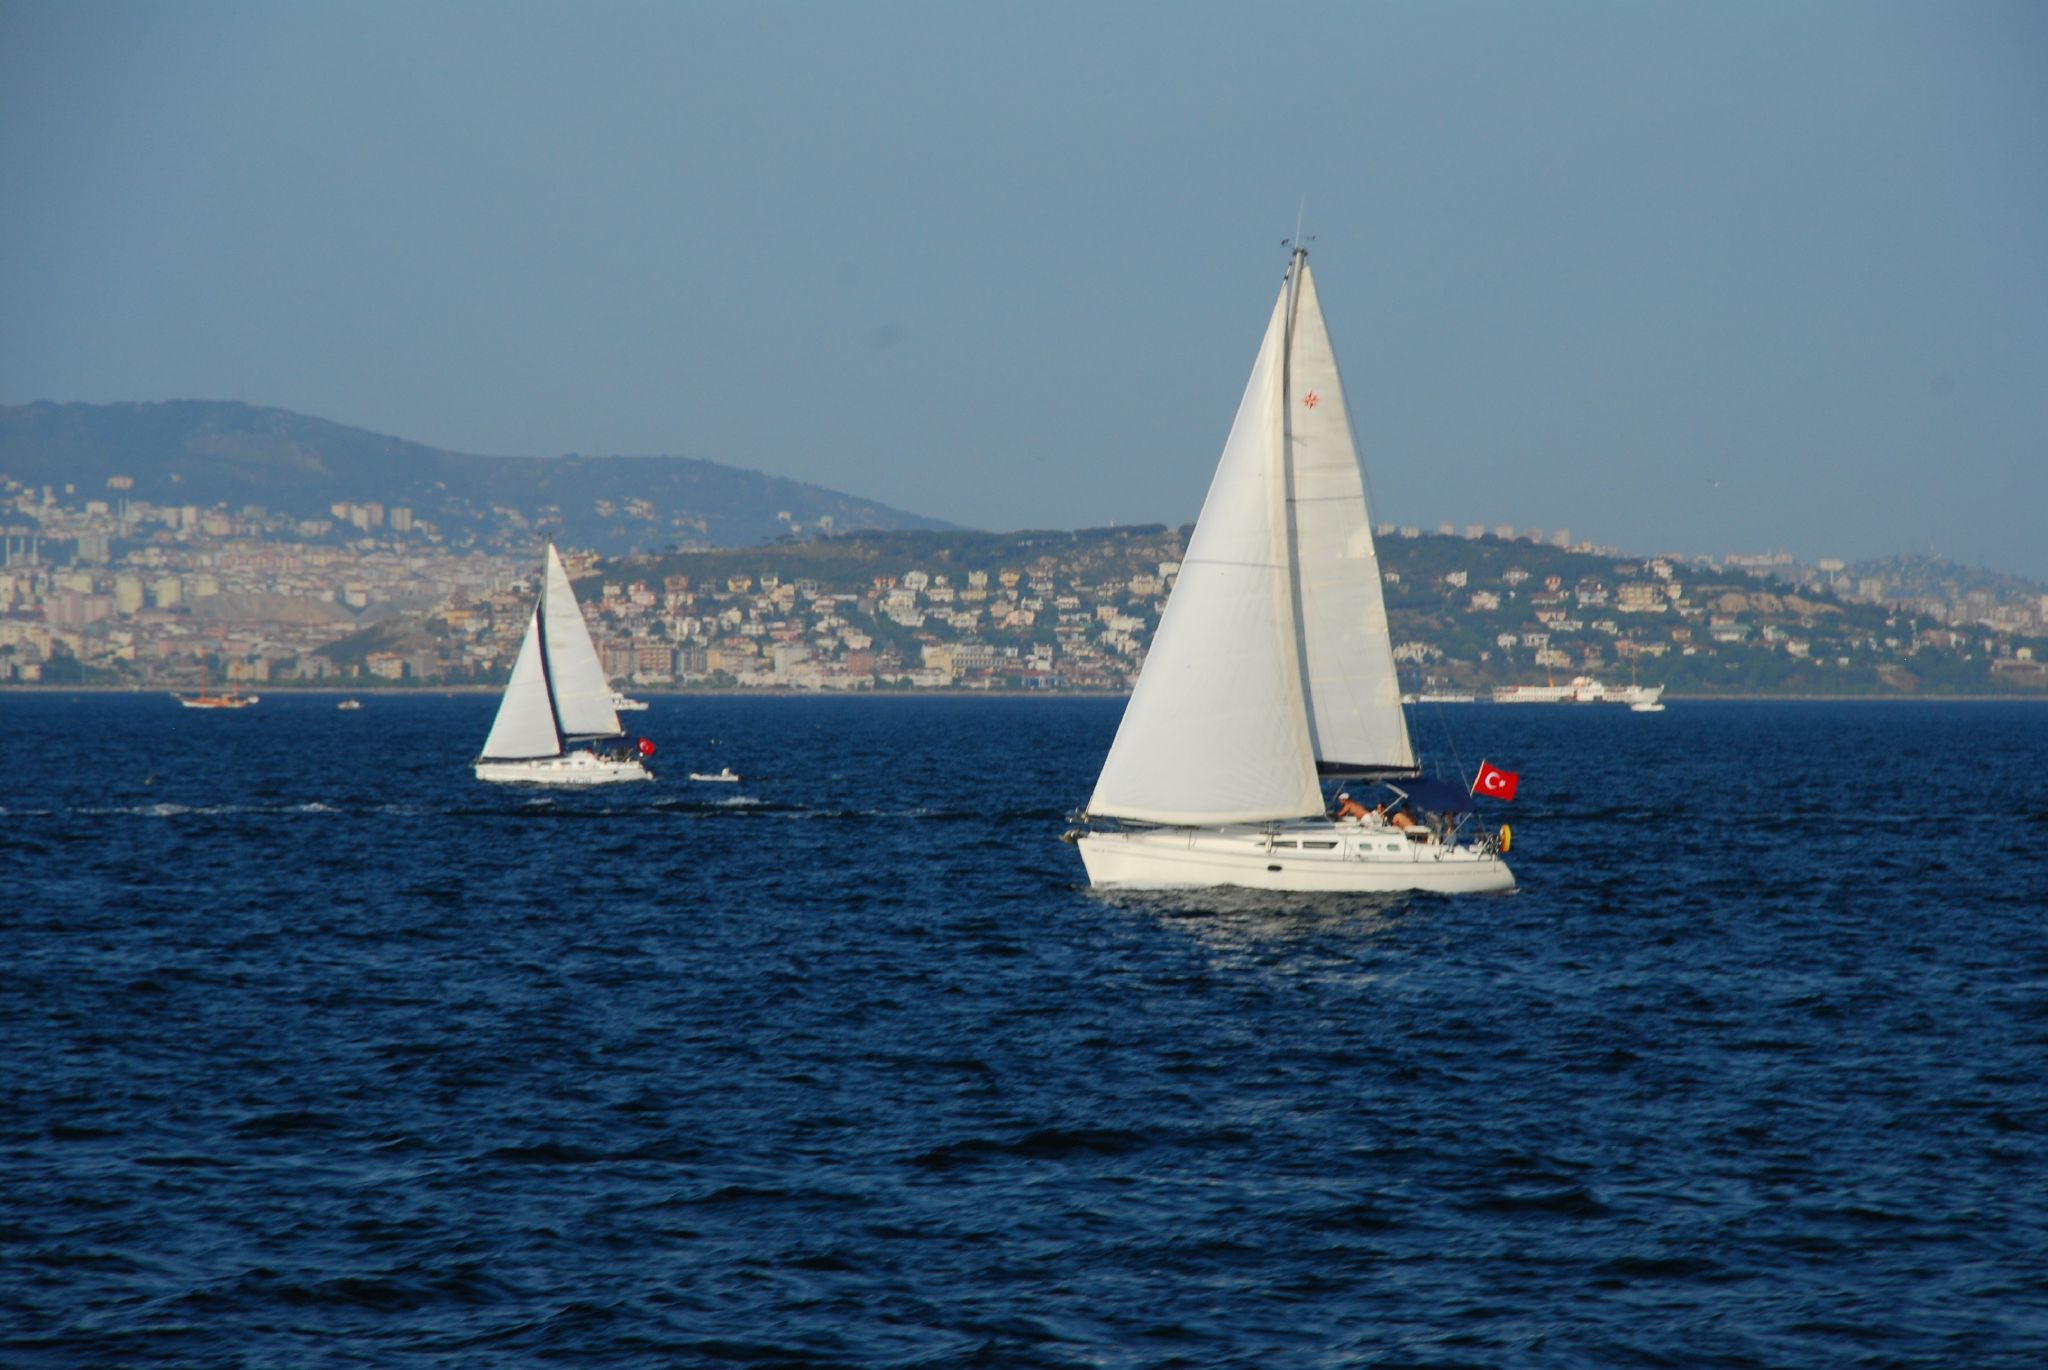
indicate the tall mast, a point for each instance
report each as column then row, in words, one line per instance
column 1298, row 620
column 547, row 674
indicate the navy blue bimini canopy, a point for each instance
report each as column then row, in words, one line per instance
column 1437, row 796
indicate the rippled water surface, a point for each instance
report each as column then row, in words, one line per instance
column 313, row 1050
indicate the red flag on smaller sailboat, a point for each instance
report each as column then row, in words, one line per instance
column 1495, row 782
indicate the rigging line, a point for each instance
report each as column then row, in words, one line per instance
column 1372, row 501
column 1450, row 742
column 1451, row 745
column 1253, row 565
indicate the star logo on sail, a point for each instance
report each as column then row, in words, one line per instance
column 1310, row 400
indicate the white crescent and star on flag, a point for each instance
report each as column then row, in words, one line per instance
column 1494, row 781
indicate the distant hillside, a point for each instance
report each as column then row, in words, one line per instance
column 209, row 452
column 1910, row 577
column 850, row 563
column 1467, row 614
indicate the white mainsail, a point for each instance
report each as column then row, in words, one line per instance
column 583, row 697
column 525, row 726
column 1215, row 731
column 558, row 693
column 1273, row 653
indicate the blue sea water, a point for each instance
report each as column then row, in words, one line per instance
column 314, row 1050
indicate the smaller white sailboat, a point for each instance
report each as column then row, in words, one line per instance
column 558, row 698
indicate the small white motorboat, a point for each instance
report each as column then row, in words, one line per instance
column 349, row 705
column 724, row 776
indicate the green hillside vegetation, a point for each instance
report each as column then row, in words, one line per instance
column 407, row 636
column 850, row 563
column 1466, row 614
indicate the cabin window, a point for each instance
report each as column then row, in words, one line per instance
column 1288, row 843
column 1317, row 846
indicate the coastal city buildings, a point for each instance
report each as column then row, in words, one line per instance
column 96, row 587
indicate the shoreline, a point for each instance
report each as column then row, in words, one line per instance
column 414, row 691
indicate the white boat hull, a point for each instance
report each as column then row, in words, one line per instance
column 571, row 768
column 1356, row 859
column 1583, row 690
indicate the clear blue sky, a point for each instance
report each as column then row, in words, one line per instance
column 1007, row 264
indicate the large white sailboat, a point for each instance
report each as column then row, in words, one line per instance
column 1272, row 670
column 558, row 697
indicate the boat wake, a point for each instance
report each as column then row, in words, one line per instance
column 167, row 809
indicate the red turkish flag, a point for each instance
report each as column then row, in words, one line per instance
column 1494, row 782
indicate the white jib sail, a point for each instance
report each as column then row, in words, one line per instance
column 1354, row 697
column 525, row 726
column 583, row 697
column 1216, row 731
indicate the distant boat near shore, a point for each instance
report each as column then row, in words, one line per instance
column 1583, row 690
column 227, row 699
column 621, row 704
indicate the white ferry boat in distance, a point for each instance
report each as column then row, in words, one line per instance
column 227, row 699
column 1583, row 690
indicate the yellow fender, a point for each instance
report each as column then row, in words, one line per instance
column 1507, row 838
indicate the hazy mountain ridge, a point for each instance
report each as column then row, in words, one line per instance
column 208, row 452
column 1912, row 575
